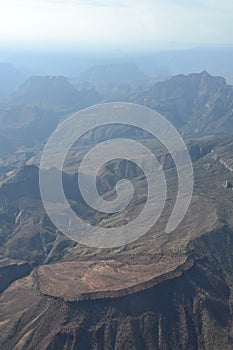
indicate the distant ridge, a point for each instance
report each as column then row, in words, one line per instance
column 54, row 92
column 113, row 73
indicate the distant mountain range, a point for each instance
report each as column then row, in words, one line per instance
column 152, row 58
column 197, row 104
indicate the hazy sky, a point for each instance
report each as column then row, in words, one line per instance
column 197, row 21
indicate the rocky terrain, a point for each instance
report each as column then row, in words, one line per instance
column 162, row 291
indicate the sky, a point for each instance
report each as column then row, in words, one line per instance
column 57, row 22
